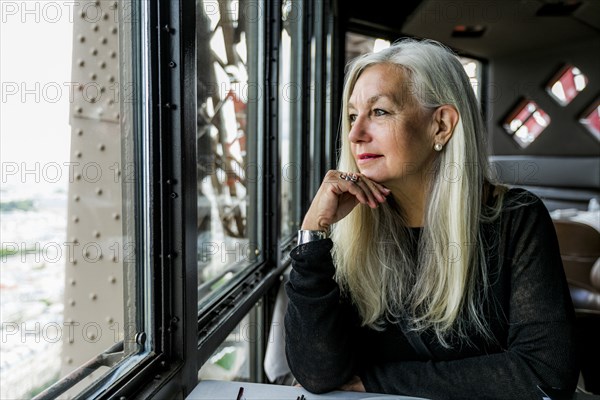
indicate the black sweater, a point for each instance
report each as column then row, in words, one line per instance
column 529, row 311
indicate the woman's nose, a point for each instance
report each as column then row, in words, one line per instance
column 359, row 131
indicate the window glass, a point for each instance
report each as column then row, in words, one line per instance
column 66, row 215
column 591, row 119
column 290, row 115
column 357, row 44
column 235, row 358
column 526, row 122
column 226, row 143
column 473, row 69
column 566, row 84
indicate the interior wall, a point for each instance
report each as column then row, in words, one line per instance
column 526, row 74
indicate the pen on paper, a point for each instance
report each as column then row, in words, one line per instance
column 240, row 394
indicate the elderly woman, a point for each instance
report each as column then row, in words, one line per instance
column 414, row 274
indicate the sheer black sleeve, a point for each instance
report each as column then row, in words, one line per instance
column 318, row 324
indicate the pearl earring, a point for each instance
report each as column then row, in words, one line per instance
column 438, row 147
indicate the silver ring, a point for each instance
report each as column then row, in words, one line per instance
column 353, row 178
column 344, row 176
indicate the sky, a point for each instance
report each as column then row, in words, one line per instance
column 35, row 68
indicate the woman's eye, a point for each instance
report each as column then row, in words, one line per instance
column 352, row 118
column 379, row 112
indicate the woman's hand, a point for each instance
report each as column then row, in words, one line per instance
column 353, row 385
column 337, row 196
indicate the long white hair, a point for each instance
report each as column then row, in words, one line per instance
column 441, row 286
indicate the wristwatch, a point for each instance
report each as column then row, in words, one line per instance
column 305, row 236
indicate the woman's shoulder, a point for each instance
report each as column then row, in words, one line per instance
column 516, row 196
column 516, row 203
column 522, row 207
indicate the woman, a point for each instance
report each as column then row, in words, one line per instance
column 434, row 282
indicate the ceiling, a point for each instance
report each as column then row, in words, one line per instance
column 511, row 26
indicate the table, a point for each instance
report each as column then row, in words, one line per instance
column 223, row 390
column 591, row 218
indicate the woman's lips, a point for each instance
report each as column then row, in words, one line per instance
column 367, row 157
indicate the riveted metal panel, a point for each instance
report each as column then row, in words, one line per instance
column 95, row 73
column 94, row 268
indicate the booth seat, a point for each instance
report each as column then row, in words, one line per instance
column 561, row 182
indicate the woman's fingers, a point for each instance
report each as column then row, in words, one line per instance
column 365, row 190
column 339, row 193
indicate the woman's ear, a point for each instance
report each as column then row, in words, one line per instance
column 446, row 118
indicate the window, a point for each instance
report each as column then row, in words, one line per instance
column 71, row 196
column 590, row 119
column 526, row 122
column 358, row 44
column 566, row 84
column 290, row 116
column 229, row 174
column 473, row 69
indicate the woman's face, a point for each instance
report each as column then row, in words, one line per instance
column 391, row 135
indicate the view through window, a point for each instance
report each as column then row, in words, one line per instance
column 62, row 208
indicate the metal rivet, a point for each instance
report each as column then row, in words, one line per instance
column 94, row 52
column 93, row 100
column 93, row 296
column 111, row 102
column 112, row 279
column 95, row 28
column 98, row 191
column 172, row 64
column 80, row 132
column 101, row 147
column 69, row 360
column 74, row 262
column 110, row 320
column 72, row 302
column 79, row 110
column 76, row 198
column 102, row 65
column 83, row 14
column 72, row 282
column 78, row 154
column 114, row 30
column 81, row 63
column 116, row 216
column 111, row 78
column 140, row 338
column 78, row 177
column 117, row 116
column 105, row 17
column 103, row 40
column 114, row 259
column 93, row 76
column 113, row 54
column 76, row 219
column 102, row 89
column 96, row 234
column 81, row 38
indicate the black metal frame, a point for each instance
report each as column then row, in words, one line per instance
column 182, row 338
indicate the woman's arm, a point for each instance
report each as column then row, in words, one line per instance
column 318, row 324
column 540, row 345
